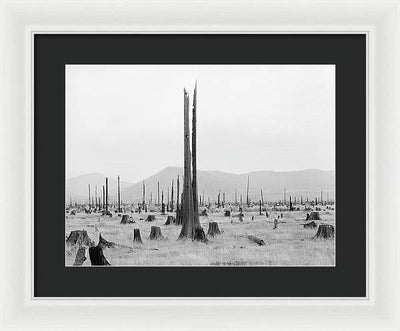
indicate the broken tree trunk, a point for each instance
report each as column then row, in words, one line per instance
column 80, row 256
column 136, row 236
column 155, row 233
column 104, row 243
column 325, row 231
column 213, row 229
column 97, row 257
column 257, row 240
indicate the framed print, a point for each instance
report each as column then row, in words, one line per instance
column 233, row 171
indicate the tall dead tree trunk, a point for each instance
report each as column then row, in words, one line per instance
column 162, row 203
column 104, row 198
column 119, row 196
column 262, row 198
column 172, row 197
column 158, row 193
column 89, row 195
column 194, row 160
column 260, row 208
column 290, row 203
column 178, row 218
column 107, row 193
column 219, row 199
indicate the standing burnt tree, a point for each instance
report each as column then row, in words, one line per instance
column 191, row 227
column 119, row 196
column 178, row 218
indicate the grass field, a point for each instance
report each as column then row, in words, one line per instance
column 288, row 245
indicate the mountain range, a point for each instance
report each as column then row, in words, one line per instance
column 306, row 183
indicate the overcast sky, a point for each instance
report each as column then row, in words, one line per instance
column 128, row 119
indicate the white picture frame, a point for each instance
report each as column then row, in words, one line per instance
column 379, row 20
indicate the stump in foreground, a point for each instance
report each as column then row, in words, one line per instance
column 155, row 233
column 79, row 237
column 257, row 240
column 213, row 229
column 199, row 235
column 150, row 218
column 170, row 220
column 80, row 256
column 310, row 225
column 325, row 231
column 97, row 257
column 314, row 216
column 136, row 236
column 104, row 243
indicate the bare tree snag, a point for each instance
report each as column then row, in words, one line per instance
column 155, row 233
column 136, row 236
column 106, row 193
column 213, row 229
column 247, row 191
column 260, row 208
column 104, row 243
column 80, row 256
column 325, row 231
column 79, row 237
column 97, row 257
column 119, row 196
column 150, row 218
column 257, row 240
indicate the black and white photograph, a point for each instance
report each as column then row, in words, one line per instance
column 200, row 165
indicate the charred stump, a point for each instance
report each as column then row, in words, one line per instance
column 79, row 237
column 136, row 236
column 104, row 243
column 241, row 217
column 275, row 224
column 80, row 256
column 257, row 240
column 266, row 214
column 213, row 229
column 170, row 220
column 150, row 218
column 227, row 213
column 155, row 233
column 204, row 213
column 325, row 231
column 97, row 257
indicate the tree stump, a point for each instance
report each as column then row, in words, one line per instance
column 240, row 217
column 266, row 214
column 275, row 224
column 170, row 220
column 314, row 216
column 310, row 225
column 227, row 213
column 213, row 229
column 325, row 231
column 97, row 257
column 199, row 235
column 155, row 233
column 252, row 218
column 126, row 219
column 150, row 218
column 80, row 256
column 79, row 237
column 257, row 240
column 136, row 236
column 104, row 243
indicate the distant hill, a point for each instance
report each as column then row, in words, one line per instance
column 77, row 187
column 306, row 183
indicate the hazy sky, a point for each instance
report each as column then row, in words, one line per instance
column 128, row 119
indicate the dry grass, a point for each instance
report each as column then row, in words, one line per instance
column 289, row 245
